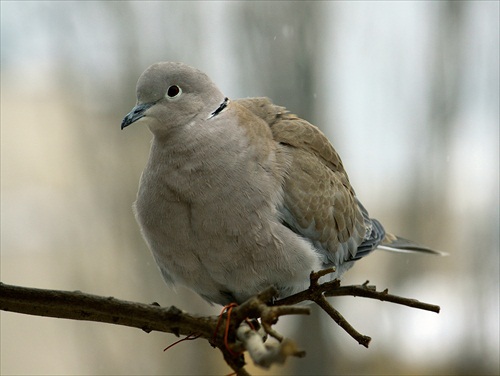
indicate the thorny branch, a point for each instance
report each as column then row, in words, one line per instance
column 248, row 327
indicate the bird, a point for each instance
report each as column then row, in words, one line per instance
column 241, row 195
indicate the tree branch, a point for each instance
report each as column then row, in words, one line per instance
column 236, row 336
column 76, row 305
column 148, row 317
column 317, row 293
column 368, row 291
column 333, row 288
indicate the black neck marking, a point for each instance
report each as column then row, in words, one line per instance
column 219, row 109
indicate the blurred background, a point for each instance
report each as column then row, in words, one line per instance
column 408, row 93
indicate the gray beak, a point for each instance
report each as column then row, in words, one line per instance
column 136, row 113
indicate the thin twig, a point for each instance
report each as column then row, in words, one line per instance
column 342, row 322
column 333, row 288
column 366, row 291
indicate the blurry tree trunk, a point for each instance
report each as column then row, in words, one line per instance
column 427, row 203
column 283, row 41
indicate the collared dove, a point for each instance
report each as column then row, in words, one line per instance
column 240, row 195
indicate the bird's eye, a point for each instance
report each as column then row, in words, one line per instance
column 173, row 91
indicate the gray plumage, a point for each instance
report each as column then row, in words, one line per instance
column 239, row 195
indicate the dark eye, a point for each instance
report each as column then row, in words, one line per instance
column 173, row 91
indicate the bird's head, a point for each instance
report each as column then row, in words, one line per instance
column 170, row 95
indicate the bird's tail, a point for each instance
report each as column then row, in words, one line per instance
column 394, row 243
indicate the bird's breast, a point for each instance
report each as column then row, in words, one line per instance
column 214, row 194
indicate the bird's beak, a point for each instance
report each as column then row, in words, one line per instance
column 136, row 113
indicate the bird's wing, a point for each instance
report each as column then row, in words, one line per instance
column 319, row 202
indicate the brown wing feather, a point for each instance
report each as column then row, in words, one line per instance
column 318, row 195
